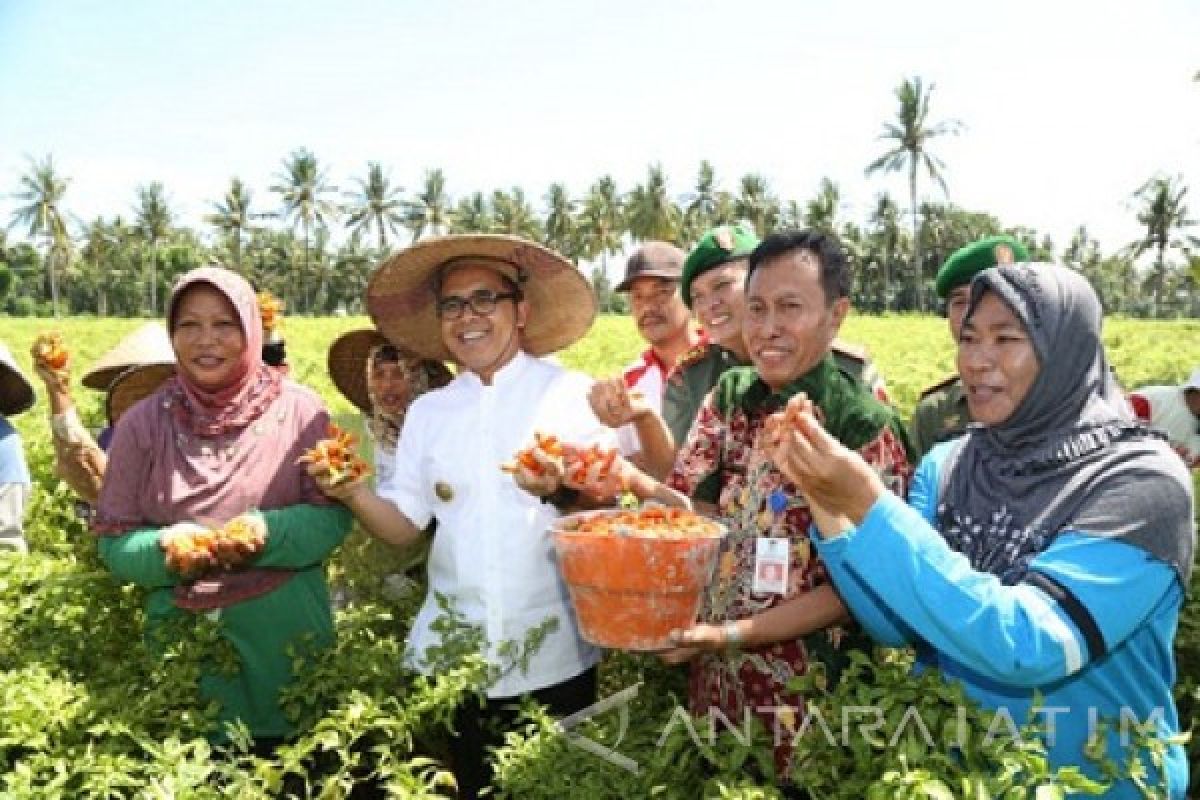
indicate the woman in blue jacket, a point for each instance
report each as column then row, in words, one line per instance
column 1042, row 558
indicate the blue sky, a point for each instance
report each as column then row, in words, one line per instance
column 1068, row 106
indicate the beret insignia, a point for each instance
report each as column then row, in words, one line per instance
column 724, row 239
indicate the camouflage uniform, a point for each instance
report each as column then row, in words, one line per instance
column 941, row 414
column 855, row 361
column 690, row 382
column 698, row 370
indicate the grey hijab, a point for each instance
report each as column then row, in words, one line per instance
column 1071, row 457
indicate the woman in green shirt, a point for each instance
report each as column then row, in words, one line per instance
column 220, row 441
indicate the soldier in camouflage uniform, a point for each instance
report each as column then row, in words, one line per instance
column 941, row 413
column 713, row 283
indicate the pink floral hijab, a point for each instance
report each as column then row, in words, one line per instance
column 255, row 386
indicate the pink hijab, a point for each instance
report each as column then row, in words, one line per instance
column 255, row 385
column 184, row 454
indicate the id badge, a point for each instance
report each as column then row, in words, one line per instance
column 771, row 558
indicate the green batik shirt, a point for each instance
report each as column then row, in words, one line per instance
column 700, row 368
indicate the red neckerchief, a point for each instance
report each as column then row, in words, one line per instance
column 650, row 360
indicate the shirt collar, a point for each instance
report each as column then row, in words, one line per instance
column 759, row 396
column 508, row 375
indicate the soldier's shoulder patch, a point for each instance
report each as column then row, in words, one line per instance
column 850, row 350
column 693, row 356
column 943, row 384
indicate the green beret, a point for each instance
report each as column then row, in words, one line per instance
column 968, row 261
column 716, row 247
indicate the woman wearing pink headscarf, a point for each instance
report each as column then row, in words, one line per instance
column 220, row 440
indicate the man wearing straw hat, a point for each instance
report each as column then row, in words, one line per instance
column 492, row 304
column 16, row 396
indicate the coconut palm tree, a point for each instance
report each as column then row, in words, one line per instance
column 560, row 220
column 514, row 214
column 232, row 217
column 911, row 133
column 757, row 205
column 650, row 212
column 429, row 212
column 600, row 221
column 1083, row 254
column 822, row 210
column 885, row 225
column 303, row 188
column 41, row 215
column 1164, row 217
column 791, row 215
column 725, row 212
column 472, row 215
column 101, row 240
column 376, row 204
column 702, row 203
column 152, row 220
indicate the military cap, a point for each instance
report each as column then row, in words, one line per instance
column 716, row 247
column 968, row 261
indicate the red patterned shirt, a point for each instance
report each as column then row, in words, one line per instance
column 721, row 461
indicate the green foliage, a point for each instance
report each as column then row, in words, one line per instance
column 934, row 742
column 89, row 709
column 23, row 306
column 675, row 756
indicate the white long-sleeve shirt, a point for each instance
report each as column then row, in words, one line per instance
column 492, row 553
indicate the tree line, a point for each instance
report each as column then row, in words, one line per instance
column 124, row 264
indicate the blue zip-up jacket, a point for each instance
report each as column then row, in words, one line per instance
column 905, row 585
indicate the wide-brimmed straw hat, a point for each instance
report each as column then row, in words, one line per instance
column 132, row 385
column 16, row 392
column 401, row 302
column 348, row 365
column 149, row 344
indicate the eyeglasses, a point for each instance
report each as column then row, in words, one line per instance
column 482, row 302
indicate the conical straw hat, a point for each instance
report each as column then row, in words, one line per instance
column 400, row 295
column 16, row 392
column 348, row 365
column 132, row 385
column 149, row 344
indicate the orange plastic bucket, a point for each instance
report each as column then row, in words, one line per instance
column 631, row 591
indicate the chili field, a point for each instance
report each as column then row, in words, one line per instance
column 90, row 709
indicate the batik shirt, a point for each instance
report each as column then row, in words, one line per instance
column 721, row 462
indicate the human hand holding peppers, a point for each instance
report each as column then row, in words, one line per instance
column 193, row 550
column 334, row 464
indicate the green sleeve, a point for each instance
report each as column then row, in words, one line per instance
column 136, row 557
column 924, row 417
column 303, row 535
column 678, row 410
